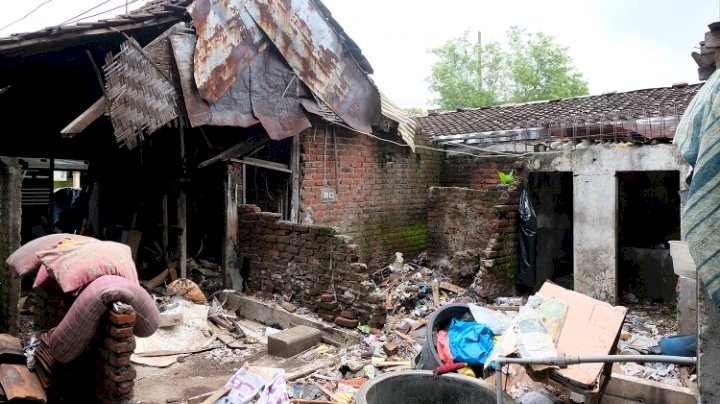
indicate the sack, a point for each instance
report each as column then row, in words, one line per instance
column 24, row 260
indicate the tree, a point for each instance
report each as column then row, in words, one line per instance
column 414, row 112
column 529, row 67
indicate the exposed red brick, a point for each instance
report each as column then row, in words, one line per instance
column 120, row 332
column 120, row 346
column 121, row 319
column 348, row 314
column 346, row 322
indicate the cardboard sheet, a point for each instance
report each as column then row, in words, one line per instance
column 591, row 327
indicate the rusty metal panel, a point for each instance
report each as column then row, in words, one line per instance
column 20, row 383
column 232, row 109
column 228, row 41
column 275, row 91
column 141, row 98
column 318, row 56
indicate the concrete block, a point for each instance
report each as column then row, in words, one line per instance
column 293, row 341
column 687, row 306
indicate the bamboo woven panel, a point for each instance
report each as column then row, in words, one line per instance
column 141, row 98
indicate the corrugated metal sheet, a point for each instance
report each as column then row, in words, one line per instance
column 406, row 126
column 275, row 96
column 228, row 42
column 317, row 55
column 232, row 109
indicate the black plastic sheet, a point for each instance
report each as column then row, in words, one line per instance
column 526, row 271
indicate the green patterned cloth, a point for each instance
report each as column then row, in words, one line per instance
column 698, row 139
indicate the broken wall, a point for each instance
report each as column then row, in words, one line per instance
column 380, row 190
column 304, row 261
column 10, row 226
column 478, row 173
column 473, row 238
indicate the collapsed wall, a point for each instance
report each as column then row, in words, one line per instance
column 303, row 262
column 473, row 238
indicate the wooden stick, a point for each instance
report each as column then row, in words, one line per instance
column 158, row 280
column 452, row 288
column 308, row 369
column 181, row 352
column 218, row 393
column 436, row 293
column 405, row 337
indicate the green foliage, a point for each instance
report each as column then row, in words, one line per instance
column 414, row 112
column 507, row 179
column 529, row 67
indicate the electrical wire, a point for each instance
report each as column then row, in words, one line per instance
column 73, row 20
column 26, row 15
column 85, row 12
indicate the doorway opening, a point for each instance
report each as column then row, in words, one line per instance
column 648, row 217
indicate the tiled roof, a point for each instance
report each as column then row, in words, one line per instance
column 631, row 105
column 154, row 12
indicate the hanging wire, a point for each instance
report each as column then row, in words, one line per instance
column 26, row 15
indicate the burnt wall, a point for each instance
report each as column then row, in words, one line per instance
column 380, row 188
column 10, row 225
column 305, row 261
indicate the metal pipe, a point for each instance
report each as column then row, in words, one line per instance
column 564, row 361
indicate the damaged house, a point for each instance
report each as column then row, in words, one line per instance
column 175, row 114
column 603, row 186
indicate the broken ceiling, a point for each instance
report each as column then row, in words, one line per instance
column 247, row 62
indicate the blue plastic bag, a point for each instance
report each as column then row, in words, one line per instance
column 470, row 342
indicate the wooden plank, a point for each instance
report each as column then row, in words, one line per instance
column 239, row 150
column 216, row 395
column 295, row 167
column 436, row 293
column 270, row 165
column 182, row 216
column 84, row 120
column 230, row 264
column 647, row 391
column 452, row 288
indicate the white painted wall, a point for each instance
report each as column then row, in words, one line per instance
column 595, row 204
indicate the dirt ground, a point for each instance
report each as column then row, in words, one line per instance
column 198, row 374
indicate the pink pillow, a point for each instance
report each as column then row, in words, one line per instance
column 74, row 267
column 24, row 260
column 42, row 277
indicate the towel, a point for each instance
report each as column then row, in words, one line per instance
column 698, row 140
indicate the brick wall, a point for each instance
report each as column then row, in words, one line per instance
column 381, row 190
column 478, row 173
column 473, row 237
column 10, row 216
column 305, row 261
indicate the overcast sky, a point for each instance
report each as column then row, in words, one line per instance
column 618, row 45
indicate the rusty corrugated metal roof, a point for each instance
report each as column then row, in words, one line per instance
column 318, row 56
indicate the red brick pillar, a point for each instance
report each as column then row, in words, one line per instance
column 116, row 374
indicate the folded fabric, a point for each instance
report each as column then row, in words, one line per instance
column 42, row 277
column 697, row 137
column 80, row 324
column 23, row 260
column 470, row 341
column 76, row 266
column 443, row 347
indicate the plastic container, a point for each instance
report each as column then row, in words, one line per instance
column 421, row 387
column 683, row 264
column 439, row 320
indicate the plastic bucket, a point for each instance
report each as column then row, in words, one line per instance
column 440, row 319
column 421, row 387
column 683, row 263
